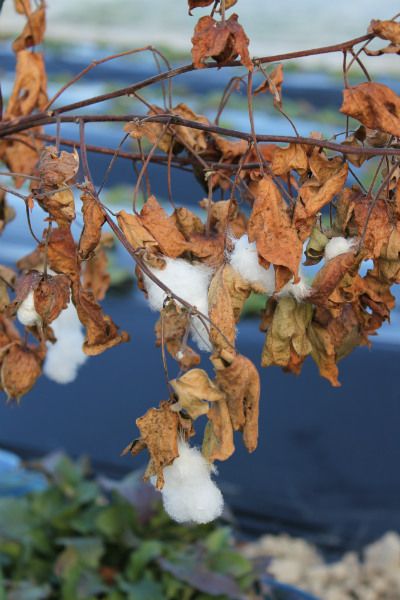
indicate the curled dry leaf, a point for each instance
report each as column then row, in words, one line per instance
column 21, row 154
column 95, row 276
column 221, row 40
column 240, row 383
column 224, row 216
column 173, row 137
column 136, row 234
column 51, row 296
column 378, row 224
column 293, row 156
column 273, row 84
column 93, row 221
column 226, row 292
column 387, row 30
column 315, row 246
column 218, row 434
column 271, row 228
column 33, row 32
column 163, row 228
column 328, row 179
column 29, row 91
column 159, row 431
column 62, row 252
column 101, row 331
column 194, row 391
column 20, row 369
column 329, row 277
column 287, row 343
column 173, row 326
column 57, row 168
column 375, row 105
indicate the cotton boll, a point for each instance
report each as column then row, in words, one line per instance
column 339, row 245
column 189, row 493
column 188, row 281
column 26, row 313
column 244, row 259
column 299, row 290
column 64, row 358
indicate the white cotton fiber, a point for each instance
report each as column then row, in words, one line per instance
column 299, row 290
column 64, row 358
column 26, row 313
column 244, row 259
column 188, row 281
column 339, row 245
column 189, row 493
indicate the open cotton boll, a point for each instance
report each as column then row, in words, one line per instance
column 244, row 259
column 188, row 281
column 299, row 290
column 64, row 358
column 189, row 493
column 338, row 245
column 26, row 313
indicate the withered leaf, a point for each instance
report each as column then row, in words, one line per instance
column 222, row 41
column 221, row 313
column 33, row 32
column 375, row 105
column 136, row 234
column 62, row 251
column 7, row 212
column 159, row 431
column 195, row 390
column 60, row 205
column 386, row 30
column 95, row 275
column 293, row 156
column 240, row 382
column 93, row 221
column 323, row 352
column 154, row 218
column 329, row 277
column 101, row 332
column 218, row 434
column 378, row 224
column 51, row 296
column 287, row 334
column 271, row 228
column 7, row 281
column 329, row 177
column 273, row 84
column 173, row 326
column 21, row 155
column 315, row 246
column 187, row 222
column 57, row 168
column 29, row 91
column 225, row 216
column 20, row 369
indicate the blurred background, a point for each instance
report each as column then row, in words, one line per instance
column 327, row 464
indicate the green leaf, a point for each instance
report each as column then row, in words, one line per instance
column 232, row 563
column 140, row 558
column 146, row 589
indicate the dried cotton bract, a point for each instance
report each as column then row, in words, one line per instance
column 189, row 493
column 338, row 245
column 188, row 281
column 26, row 312
column 64, row 358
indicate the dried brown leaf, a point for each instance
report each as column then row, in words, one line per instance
column 33, row 32
column 222, row 41
column 159, row 431
column 271, row 228
column 93, row 221
column 194, row 391
column 375, row 105
column 51, row 296
column 162, row 227
column 29, row 91
column 20, row 368
column 218, row 435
